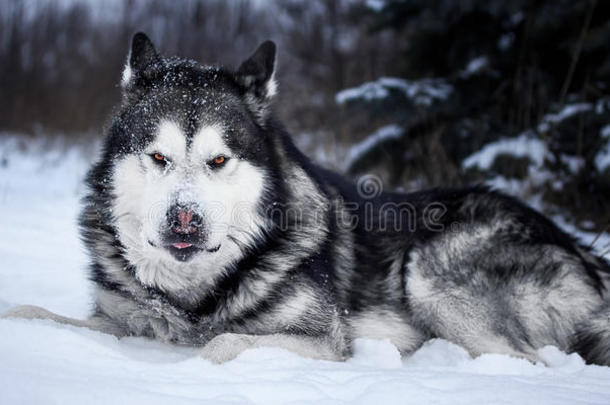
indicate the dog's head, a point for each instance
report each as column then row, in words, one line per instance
column 190, row 171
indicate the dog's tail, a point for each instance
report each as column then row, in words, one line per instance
column 592, row 340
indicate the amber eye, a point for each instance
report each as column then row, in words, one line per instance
column 160, row 159
column 219, row 160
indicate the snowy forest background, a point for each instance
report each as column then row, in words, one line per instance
column 515, row 94
column 424, row 93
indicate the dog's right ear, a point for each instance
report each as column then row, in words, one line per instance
column 256, row 77
column 142, row 55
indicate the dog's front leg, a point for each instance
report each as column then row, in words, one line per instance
column 227, row 346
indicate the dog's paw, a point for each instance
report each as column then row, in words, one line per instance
column 28, row 312
column 226, row 347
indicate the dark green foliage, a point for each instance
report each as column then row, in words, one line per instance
column 544, row 69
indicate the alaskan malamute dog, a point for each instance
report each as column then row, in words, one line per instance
column 206, row 226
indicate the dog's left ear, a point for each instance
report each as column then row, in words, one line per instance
column 256, row 76
column 142, row 58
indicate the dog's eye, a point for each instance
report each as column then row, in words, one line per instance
column 218, row 161
column 159, row 158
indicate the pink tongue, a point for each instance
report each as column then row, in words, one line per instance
column 181, row 245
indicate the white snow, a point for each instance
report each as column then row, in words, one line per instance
column 605, row 131
column 599, row 242
column 475, row 66
column 602, row 105
column 602, row 159
column 516, row 18
column 354, row 153
column 375, row 5
column 506, row 41
column 423, row 92
column 523, row 145
column 41, row 362
column 567, row 111
column 574, row 163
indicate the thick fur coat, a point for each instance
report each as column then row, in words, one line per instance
column 206, row 226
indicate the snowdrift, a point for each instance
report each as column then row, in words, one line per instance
column 44, row 264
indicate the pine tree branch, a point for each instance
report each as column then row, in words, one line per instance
column 576, row 54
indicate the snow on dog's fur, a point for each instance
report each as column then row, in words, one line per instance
column 206, row 226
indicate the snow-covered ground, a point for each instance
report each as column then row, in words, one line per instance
column 43, row 263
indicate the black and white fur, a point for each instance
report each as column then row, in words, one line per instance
column 284, row 253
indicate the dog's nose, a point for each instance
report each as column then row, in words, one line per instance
column 183, row 221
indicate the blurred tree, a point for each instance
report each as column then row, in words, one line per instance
column 525, row 82
column 54, row 55
column 495, row 74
